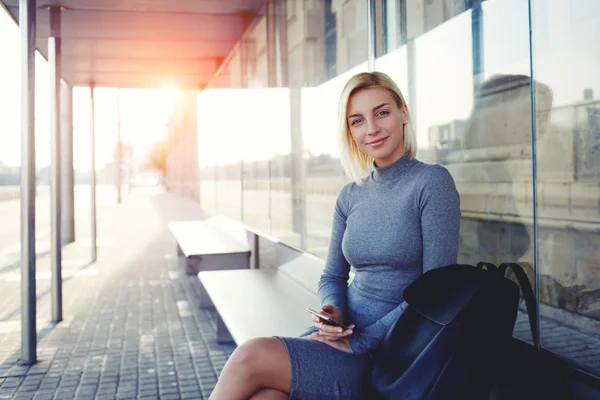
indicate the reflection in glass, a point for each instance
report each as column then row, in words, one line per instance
column 473, row 115
column 352, row 38
column 566, row 58
column 468, row 85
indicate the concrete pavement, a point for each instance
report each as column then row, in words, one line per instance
column 132, row 326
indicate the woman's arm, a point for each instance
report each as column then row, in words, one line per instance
column 440, row 219
column 333, row 285
column 439, row 204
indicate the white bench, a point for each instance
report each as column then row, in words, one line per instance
column 216, row 243
column 212, row 243
column 264, row 302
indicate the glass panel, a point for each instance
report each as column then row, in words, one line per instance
column 266, row 131
column 469, row 97
column 279, row 131
column 253, row 112
column 324, row 174
column 566, row 61
column 208, row 187
column 283, row 80
column 219, row 160
column 351, row 32
column 315, row 105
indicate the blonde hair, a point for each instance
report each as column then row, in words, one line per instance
column 355, row 162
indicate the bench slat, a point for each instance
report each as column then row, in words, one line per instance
column 256, row 303
column 306, row 270
column 205, row 237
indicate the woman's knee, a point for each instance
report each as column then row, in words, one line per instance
column 263, row 361
column 248, row 357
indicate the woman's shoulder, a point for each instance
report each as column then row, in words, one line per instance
column 434, row 177
column 434, row 172
column 345, row 191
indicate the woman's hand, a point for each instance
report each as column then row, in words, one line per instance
column 331, row 332
column 332, row 312
column 342, row 344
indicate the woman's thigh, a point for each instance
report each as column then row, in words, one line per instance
column 321, row 372
column 268, row 362
column 269, row 394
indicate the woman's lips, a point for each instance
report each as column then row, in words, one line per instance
column 377, row 143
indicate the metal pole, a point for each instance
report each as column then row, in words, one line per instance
column 130, row 171
column 477, row 44
column 119, row 156
column 66, row 169
column 534, row 169
column 93, row 174
column 411, row 72
column 371, row 26
column 242, row 189
column 255, row 262
column 28, row 296
column 271, row 44
column 54, row 51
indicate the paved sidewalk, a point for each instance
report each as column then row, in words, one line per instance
column 132, row 326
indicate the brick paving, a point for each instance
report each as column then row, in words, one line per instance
column 133, row 328
column 132, row 324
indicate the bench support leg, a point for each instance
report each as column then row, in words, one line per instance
column 191, row 266
column 223, row 335
column 255, row 253
column 205, row 301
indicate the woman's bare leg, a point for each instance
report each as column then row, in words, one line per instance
column 270, row 394
column 257, row 364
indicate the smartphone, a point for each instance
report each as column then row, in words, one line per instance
column 325, row 318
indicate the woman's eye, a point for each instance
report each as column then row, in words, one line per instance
column 383, row 113
column 355, row 121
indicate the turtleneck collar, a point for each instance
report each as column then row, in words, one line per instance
column 385, row 173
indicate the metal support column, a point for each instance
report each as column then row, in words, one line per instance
column 119, row 155
column 28, row 295
column 272, row 43
column 93, row 174
column 411, row 71
column 54, row 55
column 66, row 169
column 477, row 39
column 371, row 27
column 298, row 177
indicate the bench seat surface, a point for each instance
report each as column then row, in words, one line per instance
column 207, row 237
column 257, row 303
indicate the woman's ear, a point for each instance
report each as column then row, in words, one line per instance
column 404, row 113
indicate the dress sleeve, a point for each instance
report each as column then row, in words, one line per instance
column 440, row 219
column 333, row 285
column 439, row 204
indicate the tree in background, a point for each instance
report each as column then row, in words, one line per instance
column 156, row 159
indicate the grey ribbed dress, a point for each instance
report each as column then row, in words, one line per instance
column 403, row 221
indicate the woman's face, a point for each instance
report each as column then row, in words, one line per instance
column 377, row 125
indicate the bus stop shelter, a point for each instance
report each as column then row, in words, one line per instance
column 99, row 43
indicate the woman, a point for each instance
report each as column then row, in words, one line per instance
column 398, row 218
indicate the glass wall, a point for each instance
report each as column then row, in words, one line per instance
column 566, row 65
column 518, row 127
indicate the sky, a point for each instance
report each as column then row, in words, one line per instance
column 144, row 112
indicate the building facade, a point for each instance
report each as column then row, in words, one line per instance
column 503, row 93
